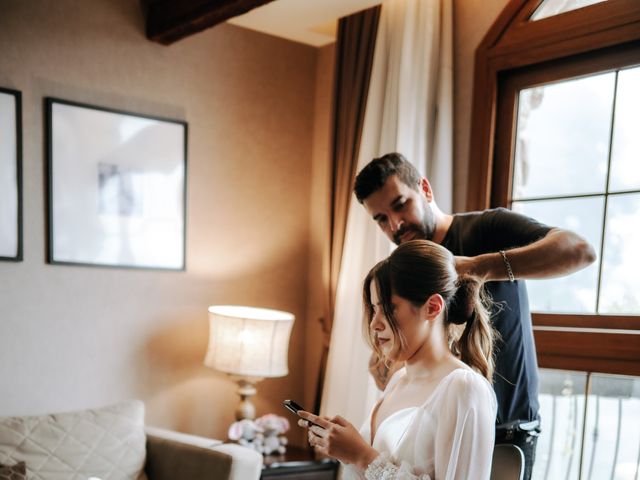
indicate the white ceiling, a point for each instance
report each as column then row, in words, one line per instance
column 306, row 21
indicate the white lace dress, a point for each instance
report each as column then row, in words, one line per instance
column 449, row 437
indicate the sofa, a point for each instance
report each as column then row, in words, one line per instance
column 112, row 443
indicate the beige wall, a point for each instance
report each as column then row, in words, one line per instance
column 471, row 21
column 73, row 337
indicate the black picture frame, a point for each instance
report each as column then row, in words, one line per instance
column 11, row 242
column 117, row 187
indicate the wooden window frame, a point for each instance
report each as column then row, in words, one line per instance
column 517, row 53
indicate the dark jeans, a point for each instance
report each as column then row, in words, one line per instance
column 527, row 441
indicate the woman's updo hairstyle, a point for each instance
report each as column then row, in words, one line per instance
column 418, row 269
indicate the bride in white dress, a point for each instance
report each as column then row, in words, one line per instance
column 436, row 418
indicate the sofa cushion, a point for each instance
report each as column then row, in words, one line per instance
column 13, row 472
column 107, row 443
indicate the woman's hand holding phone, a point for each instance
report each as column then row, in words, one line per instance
column 337, row 438
column 334, row 437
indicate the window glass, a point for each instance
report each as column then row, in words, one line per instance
column 611, row 446
column 549, row 8
column 575, row 293
column 612, row 437
column 620, row 291
column 562, row 139
column 562, row 400
column 625, row 167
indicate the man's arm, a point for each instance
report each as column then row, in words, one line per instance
column 558, row 253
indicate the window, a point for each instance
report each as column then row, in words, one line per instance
column 555, row 136
column 576, row 165
column 549, row 8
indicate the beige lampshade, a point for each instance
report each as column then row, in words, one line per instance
column 249, row 342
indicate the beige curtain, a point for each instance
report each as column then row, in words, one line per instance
column 354, row 57
column 409, row 109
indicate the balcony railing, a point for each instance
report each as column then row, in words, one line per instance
column 590, row 427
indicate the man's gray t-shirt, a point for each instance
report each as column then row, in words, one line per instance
column 515, row 380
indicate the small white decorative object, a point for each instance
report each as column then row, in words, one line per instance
column 245, row 432
column 273, row 428
column 265, row 435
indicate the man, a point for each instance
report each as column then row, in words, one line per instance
column 498, row 246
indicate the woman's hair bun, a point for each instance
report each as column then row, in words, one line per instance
column 463, row 303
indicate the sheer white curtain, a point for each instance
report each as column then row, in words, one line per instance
column 409, row 110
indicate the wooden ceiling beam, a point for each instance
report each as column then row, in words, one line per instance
column 168, row 21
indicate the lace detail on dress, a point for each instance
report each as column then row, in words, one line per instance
column 384, row 468
column 381, row 468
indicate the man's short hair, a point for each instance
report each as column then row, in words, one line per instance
column 374, row 175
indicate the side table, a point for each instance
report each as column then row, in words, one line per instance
column 299, row 464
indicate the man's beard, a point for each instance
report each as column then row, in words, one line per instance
column 421, row 234
column 424, row 231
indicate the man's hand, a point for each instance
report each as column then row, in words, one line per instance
column 339, row 439
column 380, row 372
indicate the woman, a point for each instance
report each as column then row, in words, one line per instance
column 436, row 418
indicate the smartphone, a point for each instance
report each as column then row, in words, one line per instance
column 293, row 407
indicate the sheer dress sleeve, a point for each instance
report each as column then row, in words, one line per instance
column 466, row 429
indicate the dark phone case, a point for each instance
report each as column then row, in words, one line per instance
column 292, row 406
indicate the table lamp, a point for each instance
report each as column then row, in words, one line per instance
column 249, row 344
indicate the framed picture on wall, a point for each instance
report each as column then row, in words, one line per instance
column 116, row 187
column 10, row 175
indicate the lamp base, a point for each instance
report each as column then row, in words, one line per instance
column 246, row 390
